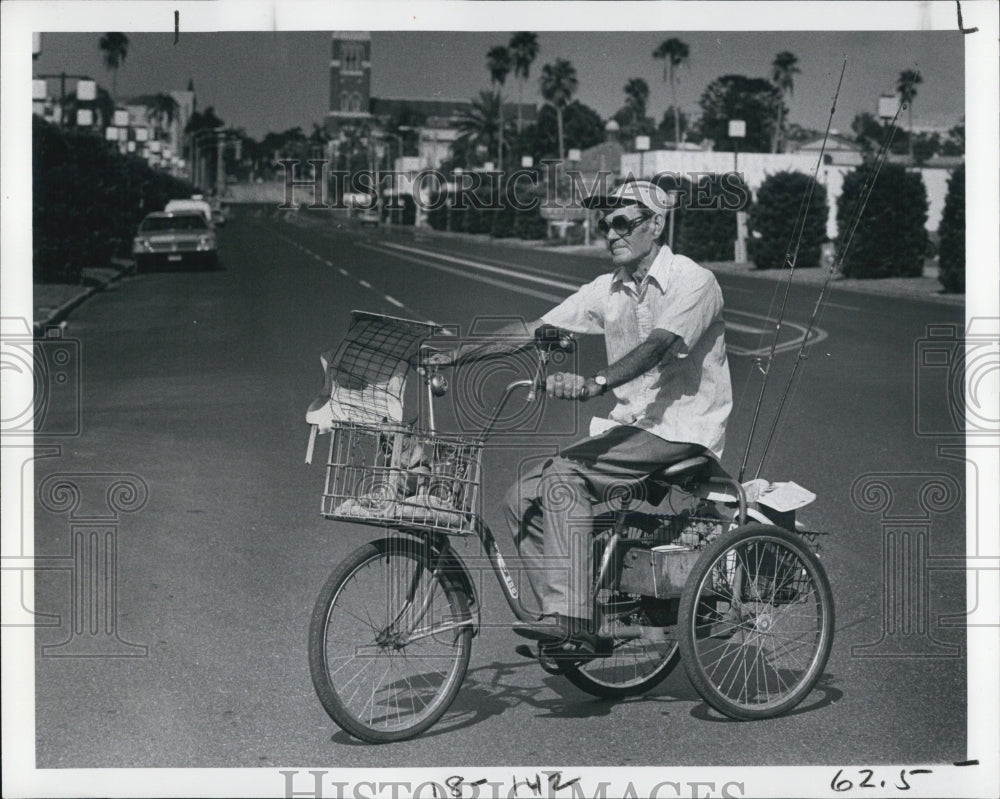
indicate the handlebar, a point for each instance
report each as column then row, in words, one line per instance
column 550, row 337
column 547, row 339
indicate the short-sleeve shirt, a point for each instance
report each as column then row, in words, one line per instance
column 687, row 398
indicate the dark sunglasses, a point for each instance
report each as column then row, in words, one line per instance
column 621, row 224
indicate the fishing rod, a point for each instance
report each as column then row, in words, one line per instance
column 854, row 219
column 798, row 229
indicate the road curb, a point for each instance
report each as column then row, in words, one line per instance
column 58, row 315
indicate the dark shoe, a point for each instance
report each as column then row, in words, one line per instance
column 560, row 629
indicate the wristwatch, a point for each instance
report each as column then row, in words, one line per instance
column 601, row 381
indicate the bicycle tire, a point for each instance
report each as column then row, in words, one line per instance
column 360, row 603
column 620, row 675
column 745, row 596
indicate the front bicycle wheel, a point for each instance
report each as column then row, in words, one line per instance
column 756, row 622
column 389, row 641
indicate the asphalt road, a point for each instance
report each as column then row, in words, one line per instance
column 197, row 383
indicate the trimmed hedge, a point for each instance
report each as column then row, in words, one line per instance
column 500, row 223
column 952, row 234
column 708, row 229
column 774, row 217
column 88, row 201
column 890, row 240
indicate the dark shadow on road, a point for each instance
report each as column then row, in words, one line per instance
column 825, row 686
column 485, row 694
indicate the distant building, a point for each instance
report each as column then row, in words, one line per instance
column 839, row 151
column 350, row 80
column 351, row 105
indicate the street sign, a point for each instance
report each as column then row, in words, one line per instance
column 888, row 105
column 641, row 143
column 573, row 155
column 86, row 90
column 527, row 161
column 737, row 128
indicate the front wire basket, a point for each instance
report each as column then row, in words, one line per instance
column 392, row 475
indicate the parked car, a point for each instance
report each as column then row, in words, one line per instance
column 219, row 213
column 195, row 203
column 175, row 238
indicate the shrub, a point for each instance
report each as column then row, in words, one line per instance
column 528, row 224
column 951, row 247
column 775, row 218
column 87, row 201
column 708, row 230
column 890, row 240
column 437, row 217
column 503, row 222
column 682, row 187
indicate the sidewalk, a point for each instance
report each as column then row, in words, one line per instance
column 52, row 302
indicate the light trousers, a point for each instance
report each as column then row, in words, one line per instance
column 550, row 510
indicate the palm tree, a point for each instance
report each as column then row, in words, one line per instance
column 673, row 53
column 783, row 71
column 478, row 126
column 906, row 88
column 162, row 112
column 115, row 48
column 558, row 84
column 523, row 47
column 498, row 63
column 636, row 97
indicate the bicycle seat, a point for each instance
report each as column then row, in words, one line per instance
column 689, row 467
column 657, row 485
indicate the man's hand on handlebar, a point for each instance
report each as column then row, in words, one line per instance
column 566, row 385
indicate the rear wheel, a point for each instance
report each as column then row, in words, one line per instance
column 756, row 622
column 389, row 641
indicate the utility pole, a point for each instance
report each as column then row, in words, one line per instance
column 220, row 169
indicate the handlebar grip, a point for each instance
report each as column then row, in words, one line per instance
column 550, row 337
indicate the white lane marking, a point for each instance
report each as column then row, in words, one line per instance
column 478, row 278
column 388, row 298
column 829, row 304
column 545, row 281
column 738, row 328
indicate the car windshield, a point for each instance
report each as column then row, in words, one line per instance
column 176, row 222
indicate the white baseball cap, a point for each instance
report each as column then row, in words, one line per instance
column 633, row 192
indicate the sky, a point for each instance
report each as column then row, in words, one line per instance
column 273, row 81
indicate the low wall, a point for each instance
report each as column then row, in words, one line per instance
column 262, row 193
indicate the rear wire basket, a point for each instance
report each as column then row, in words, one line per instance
column 395, row 476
